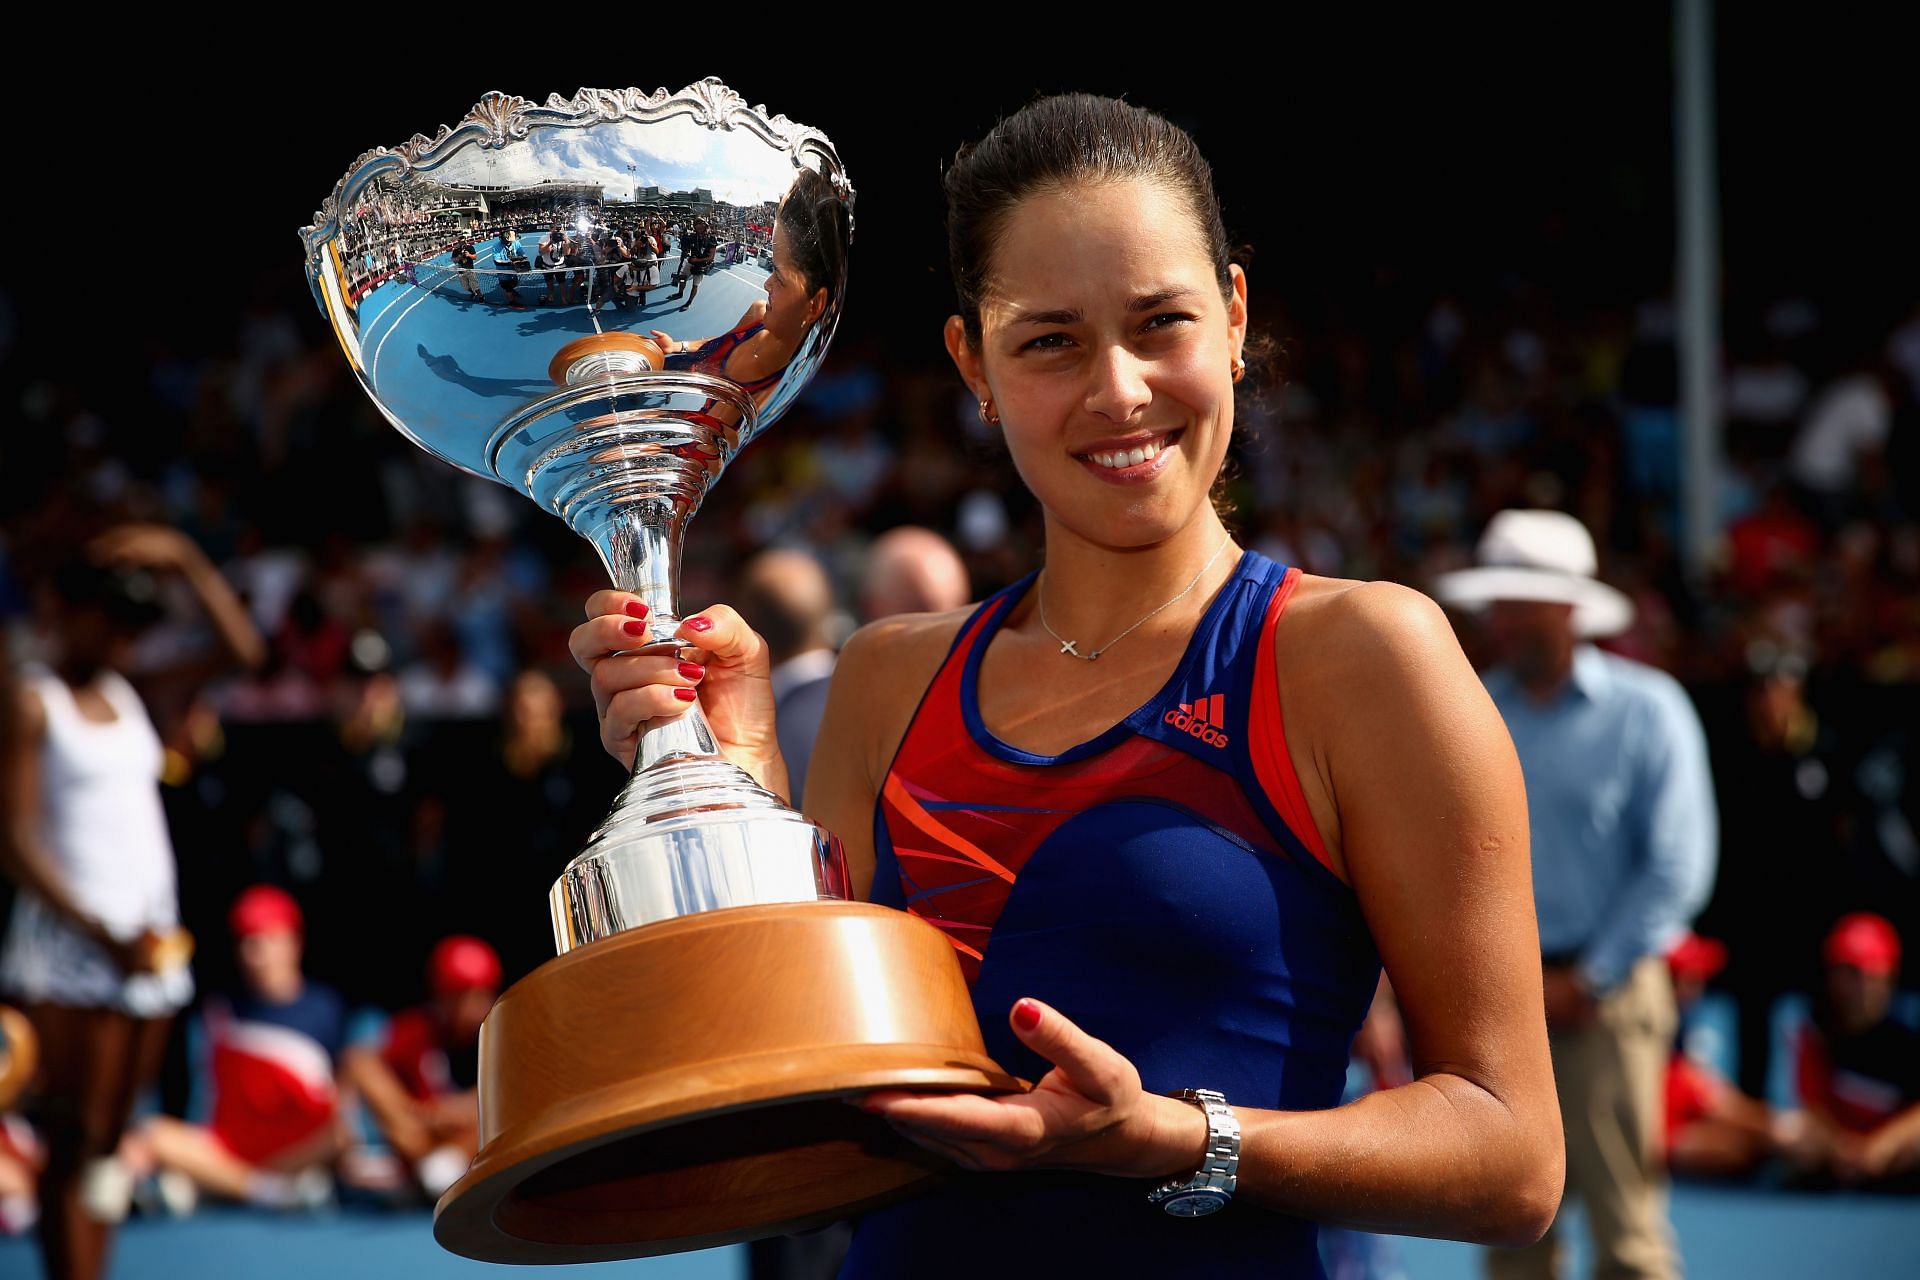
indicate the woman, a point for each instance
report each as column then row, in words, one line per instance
column 645, row 275
column 553, row 260
column 93, row 952
column 810, row 242
column 1172, row 803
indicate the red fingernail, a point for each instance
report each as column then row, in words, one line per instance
column 685, row 695
column 634, row 627
column 637, row 609
column 691, row 671
column 700, row 624
column 1026, row 1015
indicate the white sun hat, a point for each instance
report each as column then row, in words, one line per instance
column 1539, row 555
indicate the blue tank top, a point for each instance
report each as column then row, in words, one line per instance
column 1164, row 886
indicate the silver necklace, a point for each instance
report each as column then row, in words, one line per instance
column 1072, row 647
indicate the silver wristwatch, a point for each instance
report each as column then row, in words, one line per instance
column 1212, row 1186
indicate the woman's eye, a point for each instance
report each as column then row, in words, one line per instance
column 1047, row 342
column 1171, row 318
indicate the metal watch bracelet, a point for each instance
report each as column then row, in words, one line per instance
column 1212, row 1185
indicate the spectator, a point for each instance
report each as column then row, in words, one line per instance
column 275, row 1126
column 1859, row 1067
column 1621, row 806
column 791, row 600
column 443, row 684
column 911, row 570
column 1712, row 1128
column 420, row 1083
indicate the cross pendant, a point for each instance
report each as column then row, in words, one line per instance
column 1066, row 646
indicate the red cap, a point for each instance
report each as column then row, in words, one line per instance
column 1865, row 941
column 1696, row 957
column 462, row 963
column 264, row 909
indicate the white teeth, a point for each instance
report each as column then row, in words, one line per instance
column 1120, row 458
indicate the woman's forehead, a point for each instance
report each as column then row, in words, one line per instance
column 1095, row 245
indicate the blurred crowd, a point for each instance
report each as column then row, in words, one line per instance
column 415, row 757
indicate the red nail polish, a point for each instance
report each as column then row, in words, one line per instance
column 700, row 624
column 634, row 627
column 635, row 608
column 1026, row 1015
column 685, row 695
column 691, row 671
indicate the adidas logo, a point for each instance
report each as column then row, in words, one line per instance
column 1201, row 719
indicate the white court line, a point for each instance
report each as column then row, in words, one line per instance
column 430, row 262
column 373, row 370
column 385, row 307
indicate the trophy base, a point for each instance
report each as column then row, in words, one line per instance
column 678, row 1086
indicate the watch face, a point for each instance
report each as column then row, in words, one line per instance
column 1194, row 1204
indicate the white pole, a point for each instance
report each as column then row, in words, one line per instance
column 1697, row 280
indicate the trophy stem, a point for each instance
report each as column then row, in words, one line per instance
column 640, row 542
column 690, row 831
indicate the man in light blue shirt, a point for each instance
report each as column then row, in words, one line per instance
column 1625, row 839
column 1621, row 804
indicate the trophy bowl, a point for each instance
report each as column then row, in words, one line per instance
column 597, row 301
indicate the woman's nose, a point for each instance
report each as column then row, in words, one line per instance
column 1118, row 387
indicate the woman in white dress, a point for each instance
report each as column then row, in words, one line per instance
column 94, row 953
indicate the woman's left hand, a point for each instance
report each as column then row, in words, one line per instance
column 1088, row 1113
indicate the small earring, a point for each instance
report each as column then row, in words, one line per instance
column 987, row 414
column 1239, row 368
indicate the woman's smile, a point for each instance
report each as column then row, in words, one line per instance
column 1134, row 460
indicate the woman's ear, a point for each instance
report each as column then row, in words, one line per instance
column 1237, row 313
column 816, row 306
column 966, row 359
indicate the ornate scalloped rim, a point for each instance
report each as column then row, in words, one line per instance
column 500, row 118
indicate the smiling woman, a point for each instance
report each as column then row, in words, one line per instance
column 1172, row 808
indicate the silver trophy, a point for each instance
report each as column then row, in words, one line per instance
column 597, row 301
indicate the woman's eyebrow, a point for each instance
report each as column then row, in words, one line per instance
column 1072, row 315
column 1159, row 297
column 1066, row 315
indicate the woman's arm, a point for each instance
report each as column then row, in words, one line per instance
column 1432, row 827
column 153, row 546
column 1428, row 814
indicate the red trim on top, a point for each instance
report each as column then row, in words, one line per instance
column 1267, row 735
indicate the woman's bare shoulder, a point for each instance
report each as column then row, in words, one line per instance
column 906, row 644
column 883, row 670
column 1366, row 630
column 1364, row 621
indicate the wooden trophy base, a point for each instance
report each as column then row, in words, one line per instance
column 679, row 1085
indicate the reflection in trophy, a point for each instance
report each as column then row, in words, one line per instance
column 597, row 301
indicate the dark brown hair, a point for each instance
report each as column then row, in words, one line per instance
column 1060, row 142
column 816, row 229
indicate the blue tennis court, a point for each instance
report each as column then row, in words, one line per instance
column 1725, row 1234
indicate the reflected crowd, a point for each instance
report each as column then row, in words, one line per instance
column 561, row 248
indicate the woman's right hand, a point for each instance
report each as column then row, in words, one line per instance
column 725, row 660
column 131, row 956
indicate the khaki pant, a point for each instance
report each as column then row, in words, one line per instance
column 1611, row 1075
